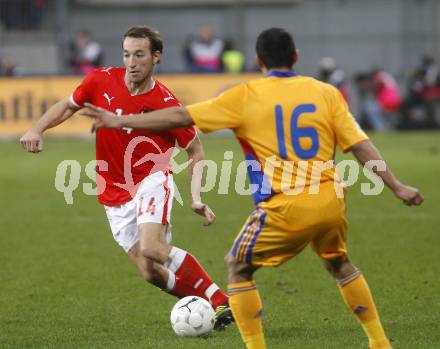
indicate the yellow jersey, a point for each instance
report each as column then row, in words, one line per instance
column 288, row 126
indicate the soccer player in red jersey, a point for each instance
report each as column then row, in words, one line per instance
column 134, row 179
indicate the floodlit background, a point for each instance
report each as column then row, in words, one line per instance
column 345, row 42
column 64, row 283
column 391, row 34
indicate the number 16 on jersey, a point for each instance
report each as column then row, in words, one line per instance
column 296, row 133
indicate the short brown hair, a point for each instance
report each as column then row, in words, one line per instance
column 147, row 33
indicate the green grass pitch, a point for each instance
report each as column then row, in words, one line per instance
column 64, row 283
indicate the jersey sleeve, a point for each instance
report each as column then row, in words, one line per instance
column 347, row 130
column 184, row 136
column 225, row 111
column 83, row 93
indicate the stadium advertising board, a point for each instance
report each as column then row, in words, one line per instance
column 24, row 100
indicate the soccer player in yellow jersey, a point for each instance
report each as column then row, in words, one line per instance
column 285, row 121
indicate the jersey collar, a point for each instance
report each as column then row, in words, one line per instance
column 281, row 74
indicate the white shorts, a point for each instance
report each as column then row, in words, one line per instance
column 151, row 204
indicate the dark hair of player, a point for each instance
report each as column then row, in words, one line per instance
column 275, row 48
column 147, row 33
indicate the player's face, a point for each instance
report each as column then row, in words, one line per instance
column 138, row 58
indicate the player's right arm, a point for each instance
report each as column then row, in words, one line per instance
column 32, row 140
column 365, row 151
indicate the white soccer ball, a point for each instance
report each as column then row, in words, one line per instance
column 192, row 316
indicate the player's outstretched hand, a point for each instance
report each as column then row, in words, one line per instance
column 103, row 118
column 409, row 195
column 32, row 141
column 203, row 210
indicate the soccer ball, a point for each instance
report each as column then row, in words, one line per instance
column 192, row 316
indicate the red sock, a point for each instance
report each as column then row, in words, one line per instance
column 192, row 279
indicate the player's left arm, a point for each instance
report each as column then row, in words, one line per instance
column 350, row 137
column 158, row 120
column 365, row 151
column 195, row 156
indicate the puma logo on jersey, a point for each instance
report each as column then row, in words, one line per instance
column 108, row 98
column 107, row 70
column 166, row 99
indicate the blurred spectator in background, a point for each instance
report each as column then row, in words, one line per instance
column 86, row 53
column 422, row 101
column 22, row 14
column 187, row 55
column 203, row 52
column 429, row 69
column 8, row 67
column 380, row 100
column 328, row 72
column 387, row 91
column 232, row 59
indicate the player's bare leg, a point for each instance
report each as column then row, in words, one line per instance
column 245, row 302
column 151, row 271
column 185, row 275
column 153, row 244
column 357, row 296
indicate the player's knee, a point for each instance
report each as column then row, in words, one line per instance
column 238, row 271
column 151, row 251
column 340, row 267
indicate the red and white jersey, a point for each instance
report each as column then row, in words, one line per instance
column 129, row 155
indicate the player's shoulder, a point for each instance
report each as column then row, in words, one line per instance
column 321, row 85
column 161, row 87
column 325, row 89
column 313, row 82
column 297, row 79
column 302, row 82
column 164, row 94
column 105, row 73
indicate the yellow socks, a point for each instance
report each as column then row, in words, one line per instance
column 247, row 309
column 384, row 344
column 357, row 296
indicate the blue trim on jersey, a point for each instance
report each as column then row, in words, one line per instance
column 281, row 74
column 258, row 178
column 251, row 247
